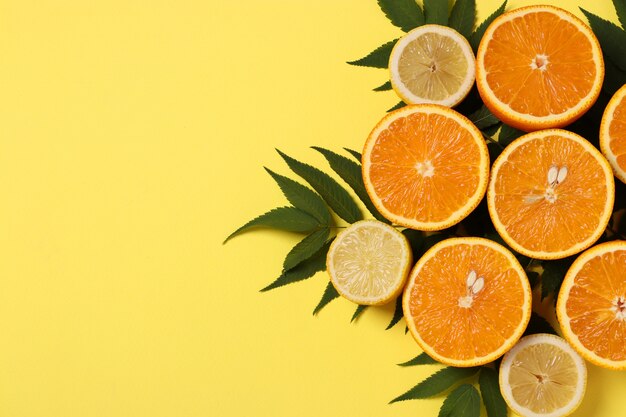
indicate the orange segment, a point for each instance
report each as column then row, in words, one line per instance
column 551, row 194
column 539, row 67
column 592, row 305
column 467, row 301
column 425, row 167
column 613, row 133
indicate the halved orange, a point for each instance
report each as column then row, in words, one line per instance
column 425, row 167
column 467, row 301
column 539, row 67
column 613, row 133
column 551, row 194
column 591, row 306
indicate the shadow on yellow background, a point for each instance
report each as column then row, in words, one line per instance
column 132, row 140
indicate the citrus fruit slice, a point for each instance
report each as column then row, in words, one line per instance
column 551, row 194
column 369, row 262
column 432, row 64
column 591, row 305
column 467, row 301
column 613, row 133
column 542, row 376
column 425, row 166
column 539, row 67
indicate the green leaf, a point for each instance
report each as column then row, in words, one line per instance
column 283, row 218
column 334, row 194
column 354, row 153
column 330, row 293
column 612, row 38
column 306, row 248
column 492, row 130
column 303, row 270
column 483, row 118
column 620, row 8
column 405, row 14
column 553, row 274
column 436, row 12
column 397, row 313
column 303, row 198
column 614, row 78
column 463, row 16
column 397, row 106
column 538, row 324
column 378, row 58
column 384, row 87
column 508, row 134
column 437, row 383
column 464, row 401
column 350, row 172
column 533, row 278
column 475, row 38
column 359, row 310
column 421, row 359
column 416, row 240
column 490, row 390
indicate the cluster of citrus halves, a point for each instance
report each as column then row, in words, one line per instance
column 550, row 194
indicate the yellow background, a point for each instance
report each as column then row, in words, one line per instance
column 132, row 140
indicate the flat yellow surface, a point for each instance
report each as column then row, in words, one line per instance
column 132, row 139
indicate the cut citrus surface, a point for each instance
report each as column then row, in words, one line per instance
column 425, row 167
column 591, row 305
column 432, row 64
column 467, row 301
column 542, row 376
column 551, row 194
column 369, row 262
column 613, row 133
column 539, row 67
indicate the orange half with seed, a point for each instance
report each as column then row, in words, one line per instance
column 467, row 301
column 591, row 306
column 425, row 167
column 551, row 194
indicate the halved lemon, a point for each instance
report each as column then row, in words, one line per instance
column 369, row 262
column 432, row 64
column 542, row 376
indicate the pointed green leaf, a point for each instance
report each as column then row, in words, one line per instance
column 464, row 401
column 384, row 87
column 508, row 134
column 303, row 198
column 405, row 14
column 463, row 17
column 421, row 359
column 490, row 390
column 483, row 118
column 357, row 155
column 334, row 194
column 303, row 270
column 538, row 324
column 330, row 293
column 612, row 39
column 416, row 240
column 533, row 278
column 359, row 310
column 306, row 248
column 397, row 106
column 397, row 313
column 378, row 58
column 620, row 8
column 350, row 172
column 436, row 383
column 436, row 12
column 492, row 130
column 614, row 78
column 553, row 274
column 474, row 40
column 283, row 218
